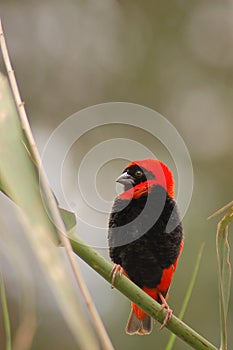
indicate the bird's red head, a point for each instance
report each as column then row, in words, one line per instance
column 141, row 175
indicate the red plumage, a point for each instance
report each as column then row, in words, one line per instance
column 140, row 238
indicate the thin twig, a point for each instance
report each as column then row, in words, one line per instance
column 221, row 210
column 50, row 199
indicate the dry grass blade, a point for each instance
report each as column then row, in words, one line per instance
column 224, row 268
column 220, row 211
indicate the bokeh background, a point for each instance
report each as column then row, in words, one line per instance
column 175, row 57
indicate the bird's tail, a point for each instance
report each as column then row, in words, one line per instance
column 137, row 326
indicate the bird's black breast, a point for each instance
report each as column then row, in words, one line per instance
column 140, row 239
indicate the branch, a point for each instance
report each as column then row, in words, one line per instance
column 138, row 296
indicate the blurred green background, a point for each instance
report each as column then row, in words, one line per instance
column 174, row 57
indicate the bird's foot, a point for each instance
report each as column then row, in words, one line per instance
column 116, row 269
column 165, row 305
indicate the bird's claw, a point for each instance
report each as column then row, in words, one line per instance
column 115, row 269
column 169, row 313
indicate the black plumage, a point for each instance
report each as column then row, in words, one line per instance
column 139, row 237
column 145, row 235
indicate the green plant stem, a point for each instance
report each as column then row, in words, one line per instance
column 187, row 296
column 134, row 293
column 6, row 318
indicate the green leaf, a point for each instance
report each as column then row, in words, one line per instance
column 69, row 220
column 5, row 313
column 19, row 178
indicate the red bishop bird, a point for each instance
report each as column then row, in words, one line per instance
column 146, row 235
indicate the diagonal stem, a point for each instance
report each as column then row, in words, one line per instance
column 138, row 296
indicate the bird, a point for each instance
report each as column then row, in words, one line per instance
column 145, row 236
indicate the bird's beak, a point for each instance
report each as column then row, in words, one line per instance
column 125, row 179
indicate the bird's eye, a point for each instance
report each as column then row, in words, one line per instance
column 138, row 173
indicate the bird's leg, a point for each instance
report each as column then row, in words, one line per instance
column 116, row 268
column 165, row 305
